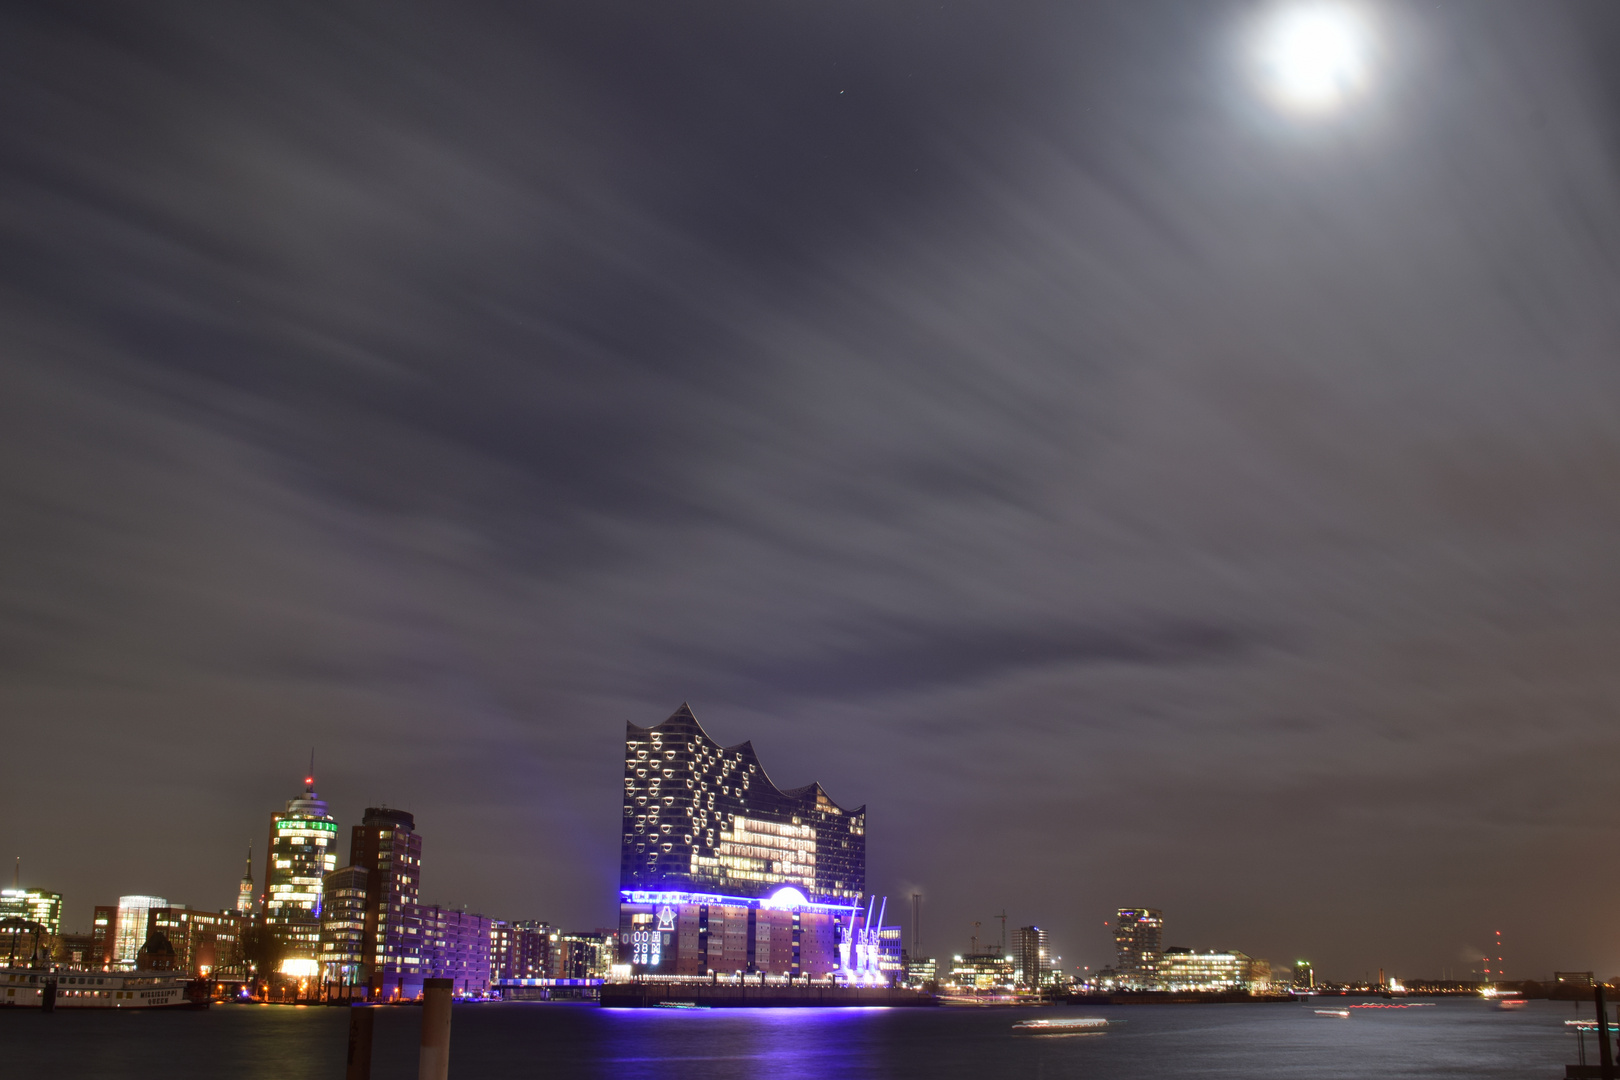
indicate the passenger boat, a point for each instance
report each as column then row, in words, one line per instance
column 64, row 988
column 1338, row 1014
column 1072, row 1025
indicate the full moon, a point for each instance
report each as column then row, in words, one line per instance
column 1314, row 56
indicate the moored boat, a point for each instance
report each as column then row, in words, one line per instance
column 65, row 988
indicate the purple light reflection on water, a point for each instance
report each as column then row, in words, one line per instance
column 500, row 1041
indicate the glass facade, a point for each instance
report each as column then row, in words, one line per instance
column 1187, row 969
column 702, row 818
column 723, row 873
column 35, row 906
column 302, row 851
column 131, row 929
column 343, row 926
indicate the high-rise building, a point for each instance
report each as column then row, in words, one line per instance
column 131, row 928
column 244, row 888
column 302, row 851
column 722, row 871
column 35, row 906
column 1139, row 937
column 1305, row 975
column 343, row 926
column 388, row 847
column 1033, row 958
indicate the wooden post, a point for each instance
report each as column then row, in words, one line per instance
column 434, row 1064
column 1605, row 1051
column 362, row 1020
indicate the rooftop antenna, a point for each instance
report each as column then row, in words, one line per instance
column 975, row 948
column 916, row 924
column 1003, row 918
column 16, row 874
column 310, row 781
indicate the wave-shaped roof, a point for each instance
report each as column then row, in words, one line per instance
column 683, row 720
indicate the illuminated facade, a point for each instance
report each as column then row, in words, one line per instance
column 343, row 926
column 35, row 906
column 1034, row 959
column 103, row 935
column 244, row 888
column 130, row 929
column 387, row 845
column 522, row 950
column 983, row 971
column 302, row 851
column 455, row 946
column 722, row 872
column 1139, row 938
column 205, row 943
column 1188, row 969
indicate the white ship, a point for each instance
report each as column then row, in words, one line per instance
column 34, row 988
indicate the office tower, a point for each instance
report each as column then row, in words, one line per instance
column 1034, row 960
column 301, row 852
column 131, row 929
column 1188, row 969
column 343, row 926
column 1305, row 975
column 244, row 888
column 35, row 906
column 722, row 871
column 387, row 846
column 1139, row 936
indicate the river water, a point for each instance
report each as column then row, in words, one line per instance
column 494, row 1041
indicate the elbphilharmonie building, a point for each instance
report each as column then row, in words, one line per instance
column 722, row 872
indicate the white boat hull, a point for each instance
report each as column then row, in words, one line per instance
column 28, row 988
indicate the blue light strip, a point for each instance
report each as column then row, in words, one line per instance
column 499, row 983
column 639, row 896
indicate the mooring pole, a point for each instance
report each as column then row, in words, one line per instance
column 1605, row 1051
column 434, row 1063
column 362, row 1020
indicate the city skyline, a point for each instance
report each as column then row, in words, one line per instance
column 685, row 728
column 1145, row 471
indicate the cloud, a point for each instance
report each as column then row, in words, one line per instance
column 1011, row 395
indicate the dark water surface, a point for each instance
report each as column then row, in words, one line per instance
column 495, row 1041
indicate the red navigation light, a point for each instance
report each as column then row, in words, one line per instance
column 308, row 780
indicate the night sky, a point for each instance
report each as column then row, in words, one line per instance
column 1135, row 491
